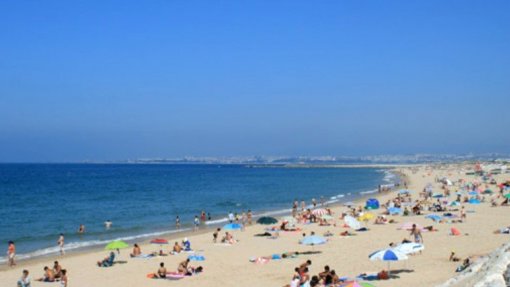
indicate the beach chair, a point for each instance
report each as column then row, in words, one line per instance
column 109, row 262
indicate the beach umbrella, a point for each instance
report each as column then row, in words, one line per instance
column 437, row 195
column 313, row 240
column 357, row 284
column 474, row 201
column 266, row 220
column 116, row 245
column 394, row 210
column 507, row 195
column 387, row 255
column 352, row 222
column 409, row 248
column 434, row 217
column 232, row 226
column 473, row 193
column 366, row 216
column 454, row 203
column 487, row 191
column 319, row 212
column 159, row 241
column 404, row 191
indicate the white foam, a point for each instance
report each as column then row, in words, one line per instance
column 369, row 191
column 84, row 244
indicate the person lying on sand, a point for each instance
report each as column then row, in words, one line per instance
column 328, row 234
column 465, row 264
column 347, row 233
column 48, row 276
column 453, row 257
column 504, row 230
column 136, row 251
column 228, row 238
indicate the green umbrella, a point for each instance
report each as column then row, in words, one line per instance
column 507, row 195
column 115, row 245
column 267, row 220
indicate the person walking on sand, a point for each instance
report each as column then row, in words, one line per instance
column 11, row 253
column 60, row 243
column 416, row 233
column 250, row 216
column 196, row 223
column 463, row 214
column 177, row 222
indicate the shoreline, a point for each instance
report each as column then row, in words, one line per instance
column 187, row 229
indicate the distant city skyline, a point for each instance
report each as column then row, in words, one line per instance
column 107, row 80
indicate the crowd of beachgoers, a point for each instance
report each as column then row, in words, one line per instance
column 430, row 206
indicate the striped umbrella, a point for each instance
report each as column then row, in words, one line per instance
column 319, row 212
column 388, row 255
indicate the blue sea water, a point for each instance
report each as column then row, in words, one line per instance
column 39, row 201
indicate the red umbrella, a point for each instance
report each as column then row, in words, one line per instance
column 159, row 241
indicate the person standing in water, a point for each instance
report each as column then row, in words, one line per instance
column 108, row 224
column 81, row 230
column 11, row 253
column 177, row 222
column 60, row 243
column 196, row 223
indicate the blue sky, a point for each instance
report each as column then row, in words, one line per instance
column 108, row 80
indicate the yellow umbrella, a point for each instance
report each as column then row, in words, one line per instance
column 367, row 216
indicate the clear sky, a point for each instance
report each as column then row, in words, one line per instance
column 106, row 80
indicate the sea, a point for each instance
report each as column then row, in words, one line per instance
column 40, row 201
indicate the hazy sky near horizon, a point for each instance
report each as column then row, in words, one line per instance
column 106, row 80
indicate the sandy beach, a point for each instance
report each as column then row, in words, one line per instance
column 229, row 265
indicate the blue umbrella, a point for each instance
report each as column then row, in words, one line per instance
column 313, row 240
column 437, row 195
column 388, row 255
column 474, row 201
column 232, row 226
column 434, row 217
column 454, row 203
column 394, row 210
column 473, row 193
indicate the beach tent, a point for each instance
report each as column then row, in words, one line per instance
column 454, row 231
column 319, row 212
column 372, row 203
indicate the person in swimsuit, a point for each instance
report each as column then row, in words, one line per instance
column 161, row 271
column 63, row 279
column 57, row 269
column 136, row 251
column 215, row 235
column 183, row 267
column 49, row 276
column 60, row 243
column 108, row 224
column 177, row 222
column 11, row 253
column 418, row 238
column 177, row 248
column 24, row 281
column 81, row 230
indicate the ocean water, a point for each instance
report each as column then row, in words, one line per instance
column 39, row 201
